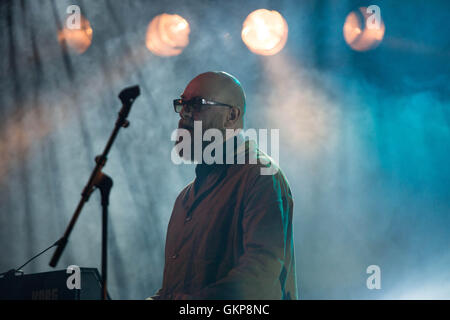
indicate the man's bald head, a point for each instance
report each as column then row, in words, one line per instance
column 218, row 86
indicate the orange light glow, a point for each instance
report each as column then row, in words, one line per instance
column 356, row 33
column 265, row 32
column 78, row 40
column 167, row 35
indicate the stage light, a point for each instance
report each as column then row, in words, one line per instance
column 265, row 32
column 167, row 35
column 358, row 35
column 77, row 39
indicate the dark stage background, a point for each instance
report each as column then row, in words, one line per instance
column 364, row 138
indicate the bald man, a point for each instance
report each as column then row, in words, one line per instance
column 230, row 234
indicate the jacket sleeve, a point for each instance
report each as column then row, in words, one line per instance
column 267, row 230
column 156, row 296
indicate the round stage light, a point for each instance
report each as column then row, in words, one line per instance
column 357, row 33
column 265, row 32
column 77, row 39
column 167, row 35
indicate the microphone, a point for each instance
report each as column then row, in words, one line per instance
column 127, row 96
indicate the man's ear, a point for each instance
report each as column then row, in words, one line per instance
column 232, row 117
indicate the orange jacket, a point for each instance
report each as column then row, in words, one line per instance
column 230, row 235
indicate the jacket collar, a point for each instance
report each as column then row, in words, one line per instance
column 203, row 169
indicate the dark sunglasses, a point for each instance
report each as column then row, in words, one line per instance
column 195, row 104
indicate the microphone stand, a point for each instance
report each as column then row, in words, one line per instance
column 105, row 184
column 101, row 181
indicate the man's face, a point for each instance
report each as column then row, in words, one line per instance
column 215, row 87
column 211, row 117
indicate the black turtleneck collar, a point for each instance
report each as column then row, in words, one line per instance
column 203, row 169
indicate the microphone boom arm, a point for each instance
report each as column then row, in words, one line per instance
column 127, row 96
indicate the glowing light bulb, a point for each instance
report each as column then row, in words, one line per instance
column 264, row 32
column 167, row 35
column 356, row 33
column 77, row 39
